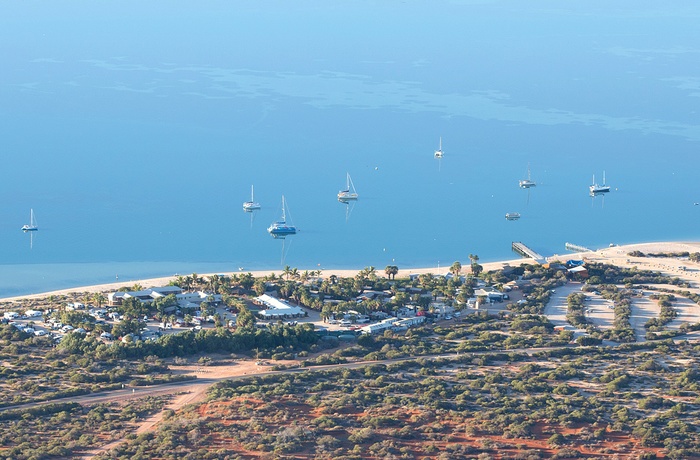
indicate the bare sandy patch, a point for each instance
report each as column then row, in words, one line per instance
column 557, row 306
column 688, row 312
column 643, row 309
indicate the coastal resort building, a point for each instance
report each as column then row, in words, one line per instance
column 184, row 299
column 491, row 296
column 146, row 295
column 392, row 324
column 579, row 273
column 277, row 309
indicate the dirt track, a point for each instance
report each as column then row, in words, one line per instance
column 192, row 392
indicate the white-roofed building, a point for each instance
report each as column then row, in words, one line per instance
column 276, row 308
column 196, row 297
column 393, row 324
column 376, row 328
column 149, row 295
column 408, row 322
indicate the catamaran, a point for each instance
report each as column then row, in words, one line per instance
column 250, row 206
column 349, row 194
column 438, row 152
column 280, row 229
column 512, row 215
column 596, row 188
column 527, row 183
column 31, row 227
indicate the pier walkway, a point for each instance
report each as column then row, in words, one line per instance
column 525, row 251
column 576, row 248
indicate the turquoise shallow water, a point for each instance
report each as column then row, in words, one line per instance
column 135, row 132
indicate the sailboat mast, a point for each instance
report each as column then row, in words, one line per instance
column 284, row 218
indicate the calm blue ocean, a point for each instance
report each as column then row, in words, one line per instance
column 135, row 130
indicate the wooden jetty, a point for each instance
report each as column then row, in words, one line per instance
column 525, row 251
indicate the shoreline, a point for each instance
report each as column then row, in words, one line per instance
column 613, row 255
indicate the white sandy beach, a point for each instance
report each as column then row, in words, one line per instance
column 616, row 255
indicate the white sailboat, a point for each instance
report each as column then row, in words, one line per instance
column 527, row 183
column 281, row 229
column 596, row 188
column 349, row 194
column 438, row 152
column 31, row 226
column 250, row 206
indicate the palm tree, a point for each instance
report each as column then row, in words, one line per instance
column 259, row 287
column 214, row 282
column 187, row 283
column 195, row 280
column 179, row 281
column 394, row 271
column 371, row 272
column 391, row 271
column 456, row 268
column 246, row 280
column 326, row 313
column 476, row 268
column 426, row 281
column 98, row 298
column 287, row 271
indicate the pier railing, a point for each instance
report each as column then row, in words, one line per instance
column 525, row 251
column 576, row 248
